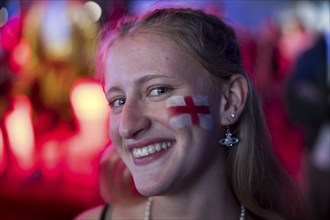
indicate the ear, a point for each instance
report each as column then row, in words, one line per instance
column 233, row 99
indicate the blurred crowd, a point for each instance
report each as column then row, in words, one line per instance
column 47, row 51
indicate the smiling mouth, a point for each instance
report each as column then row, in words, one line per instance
column 151, row 149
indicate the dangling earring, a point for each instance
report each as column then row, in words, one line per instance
column 229, row 141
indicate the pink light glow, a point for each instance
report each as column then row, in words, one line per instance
column 10, row 34
column 75, row 157
column 20, row 56
column 91, row 113
column 2, row 153
column 21, row 53
column 18, row 124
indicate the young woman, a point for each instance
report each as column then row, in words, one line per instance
column 186, row 121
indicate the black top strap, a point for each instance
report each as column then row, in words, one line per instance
column 104, row 212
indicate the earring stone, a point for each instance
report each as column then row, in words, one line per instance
column 228, row 141
column 232, row 115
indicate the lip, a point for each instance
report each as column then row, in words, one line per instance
column 140, row 161
column 144, row 143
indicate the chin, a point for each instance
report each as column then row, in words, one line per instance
column 150, row 188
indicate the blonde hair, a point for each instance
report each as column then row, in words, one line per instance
column 255, row 176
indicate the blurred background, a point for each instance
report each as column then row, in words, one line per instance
column 53, row 116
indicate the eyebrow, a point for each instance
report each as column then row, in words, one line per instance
column 148, row 78
column 139, row 81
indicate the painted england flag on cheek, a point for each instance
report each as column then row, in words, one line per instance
column 185, row 111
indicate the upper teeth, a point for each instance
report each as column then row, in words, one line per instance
column 150, row 149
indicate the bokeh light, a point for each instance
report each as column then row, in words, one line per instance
column 94, row 10
column 21, row 54
column 10, row 33
column 56, row 30
column 3, row 16
column 18, row 123
column 88, row 100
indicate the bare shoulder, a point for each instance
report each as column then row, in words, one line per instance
column 90, row 214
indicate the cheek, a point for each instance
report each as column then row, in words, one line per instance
column 113, row 130
column 112, row 127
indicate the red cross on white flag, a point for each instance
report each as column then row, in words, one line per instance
column 188, row 111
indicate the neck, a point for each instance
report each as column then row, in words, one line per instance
column 208, row 198
column 147, row 210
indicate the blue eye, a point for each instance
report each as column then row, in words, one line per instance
column 117, row 102
column 159, row 91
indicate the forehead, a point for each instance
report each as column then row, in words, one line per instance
column 143, row 53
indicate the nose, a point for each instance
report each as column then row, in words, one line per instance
column 134, row 120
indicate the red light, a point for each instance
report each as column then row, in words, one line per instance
column 2, row 153
column 10, row 34
column 21, row 54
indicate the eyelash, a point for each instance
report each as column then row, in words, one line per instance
column 162, row 89
column 112, row 103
